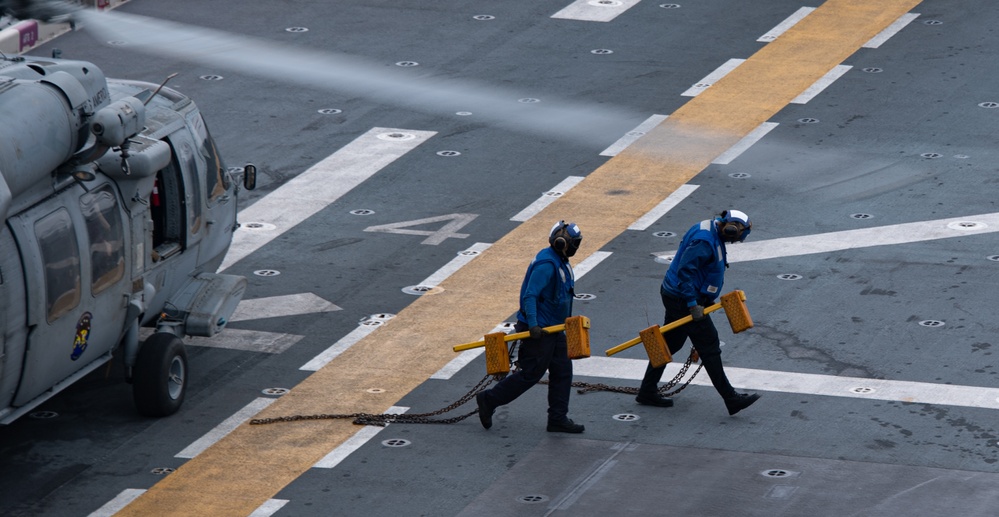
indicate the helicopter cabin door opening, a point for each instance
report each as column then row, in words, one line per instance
column 166, row 207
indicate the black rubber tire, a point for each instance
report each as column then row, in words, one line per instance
column 160, row 375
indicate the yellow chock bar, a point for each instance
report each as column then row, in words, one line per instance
column 734, row 304
column 506, row 337
column 655, row 346
column 577, row 333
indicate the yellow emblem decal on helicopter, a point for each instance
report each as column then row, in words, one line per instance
column 82, row 335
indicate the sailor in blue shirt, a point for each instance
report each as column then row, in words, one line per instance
column 694, row 280
column 545, row 300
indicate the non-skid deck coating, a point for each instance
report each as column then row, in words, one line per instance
column 252, row 464
column 588, row 478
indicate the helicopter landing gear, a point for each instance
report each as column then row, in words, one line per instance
column 160, row 375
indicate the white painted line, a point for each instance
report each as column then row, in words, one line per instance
column 467, row 356
column 863, row 238
column 504, row 327
column 456, row 263
column 227, row 426
column 589, row 263
column 277, row 306
column 355, row 442
column 633, row 135
column 783, row 26
column 339, row 347
column 595, row 10
column 805, row 383
column 744, row 144
column 891, row 30
column 248, row 340
column 118, row 503
column 270, row 507
column 713, row 77
column 320, row 186
column 821, row 84
column 455, row 365
column 547, row 199
column 663, row 207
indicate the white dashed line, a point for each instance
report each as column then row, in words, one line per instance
column 663, row 207
column 595, row 10
column 226, row 427
column 744, row 144
column 547, row 199
column 361, row 437
column 713, row 77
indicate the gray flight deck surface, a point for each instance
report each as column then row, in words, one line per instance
column 906, row 135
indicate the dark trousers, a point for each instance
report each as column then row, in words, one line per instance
column 703, row 336
column 536, row 356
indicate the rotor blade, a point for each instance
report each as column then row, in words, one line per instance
column 574, row 122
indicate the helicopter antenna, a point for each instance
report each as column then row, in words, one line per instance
column 160, row 87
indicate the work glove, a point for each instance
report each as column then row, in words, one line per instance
column 697, row 312
column 536, row 332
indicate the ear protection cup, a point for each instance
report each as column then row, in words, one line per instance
column 735, row 225
column 558, row 240
column 565, row 238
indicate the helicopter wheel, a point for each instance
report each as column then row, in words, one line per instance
column 160, row 375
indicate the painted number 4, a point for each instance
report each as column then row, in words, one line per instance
column 448, row 231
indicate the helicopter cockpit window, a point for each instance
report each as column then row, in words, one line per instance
column 104, row 229
column 216, row 177
column 61, row 257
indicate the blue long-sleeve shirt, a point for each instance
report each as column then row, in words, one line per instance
column 698, row 268
column 547, row 291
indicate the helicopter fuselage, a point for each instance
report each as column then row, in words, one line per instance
column 117, row 211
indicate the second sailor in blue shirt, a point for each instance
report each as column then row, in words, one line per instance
column 693, row 281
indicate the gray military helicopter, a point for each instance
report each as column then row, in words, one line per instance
column 118, row 209
column 117, row 212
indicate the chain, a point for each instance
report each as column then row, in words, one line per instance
column 585, row 387
column 384, row 419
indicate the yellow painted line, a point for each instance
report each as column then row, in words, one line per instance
column 253, row 463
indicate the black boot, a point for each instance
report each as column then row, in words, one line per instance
column 740, row 401
column 648, row 393
column 568, row 426
column 653, row 399
column 485, row 412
